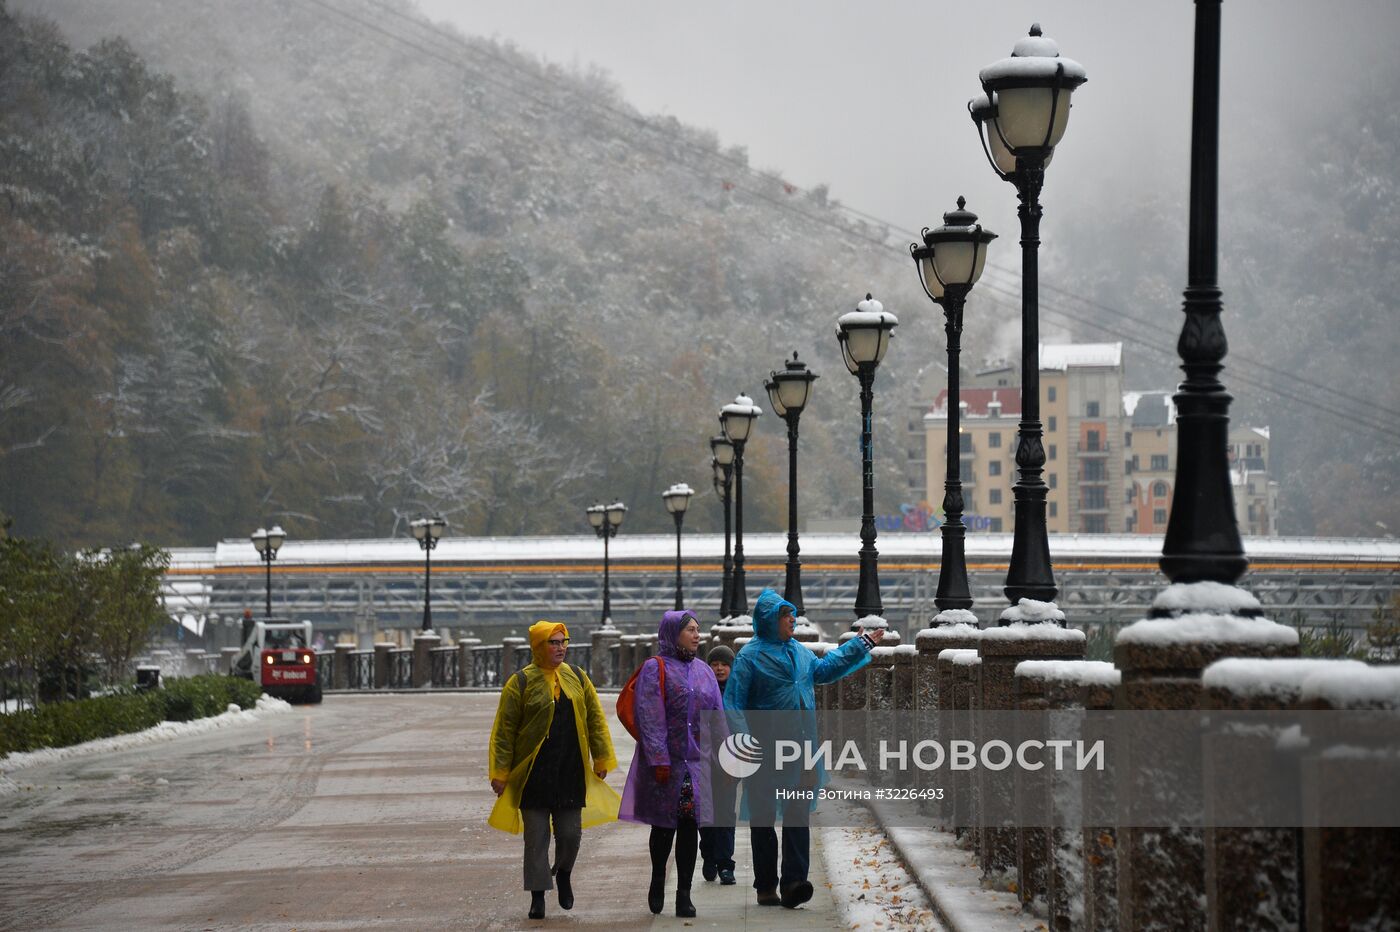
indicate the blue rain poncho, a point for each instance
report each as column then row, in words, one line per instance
column 770, row 674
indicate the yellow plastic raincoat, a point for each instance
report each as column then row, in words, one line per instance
column 522, row 723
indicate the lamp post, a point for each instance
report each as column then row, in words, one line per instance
column 736, row 419
column 605, row 520
column 722, row 463
column 864, row 335
column 268, row 542
column 949, row 263
column 1021, row 116
column 789, row 391
column 428, row 531
column 677, row 499
column 1203, row 539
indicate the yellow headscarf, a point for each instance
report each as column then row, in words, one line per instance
column 540, row 632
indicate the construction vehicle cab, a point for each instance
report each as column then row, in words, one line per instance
column 278, row 656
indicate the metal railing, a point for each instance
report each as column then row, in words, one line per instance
column 445, row 670
column 400, row 668
column 325, row 668
column 362, row 669
column 486, row 666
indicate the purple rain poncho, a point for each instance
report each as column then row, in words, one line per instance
column 679, row 735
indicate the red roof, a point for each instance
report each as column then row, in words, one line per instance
column 977, row 401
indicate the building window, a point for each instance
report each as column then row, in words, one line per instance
column 1128, row 439
column 996, row 526
column 1096, row 524
column 1159, row 516
column 1092, row 440
column 1159, row 490
column 994, row 497
column 994, row 439
column 1054, row 509
column 1132, row 494
column 1050, row 393
column 1095, row 471
column 1052, row 423
column 1094, row 497
column 965, row 443
column 1054, row 480
column 1159, row 461
column 915, row 454
column 1137, row 464
column 1053, row 452
column 994, row 468
column 1091, row 409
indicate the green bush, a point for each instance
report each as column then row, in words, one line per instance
column 181, row 699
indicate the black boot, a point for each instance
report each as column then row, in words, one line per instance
column 656, row 894
column 536, row 904
column 566, row 890
column 796, row 893
column 684, row 908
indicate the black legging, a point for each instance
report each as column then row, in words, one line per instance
column 687, row 837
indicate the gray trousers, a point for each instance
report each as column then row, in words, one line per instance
column 568, row 832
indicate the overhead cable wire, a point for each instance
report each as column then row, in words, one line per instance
column 881, row 243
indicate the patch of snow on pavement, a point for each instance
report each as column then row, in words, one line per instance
column 868, row 882
column 165, row 731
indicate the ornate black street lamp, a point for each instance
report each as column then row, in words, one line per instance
column 949, row 262
column 788, row 391
column 677, row 499
column 864, row 335
column 1203, row 538
column 736, row 419
column 1021, row 116
column 723, row 465
column 268, row 542
column 428, row 531
column 605, row 520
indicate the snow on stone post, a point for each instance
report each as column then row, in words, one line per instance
column 508, row 665
column 853, row 697
column 1161, row 871
column 1051, row 861
column 602, row 641
column 340, row 666
column 1349, row 874
column 959, row 672
column 423, row 646
column 383, row 663
column 1030, row 630
column 1270, row 890
column 880, row 684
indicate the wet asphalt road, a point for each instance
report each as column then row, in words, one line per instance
column 363, row 812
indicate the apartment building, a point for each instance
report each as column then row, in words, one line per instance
column 1110, row 456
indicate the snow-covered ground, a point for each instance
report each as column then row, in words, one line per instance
column 165, row 731
column 868, row 882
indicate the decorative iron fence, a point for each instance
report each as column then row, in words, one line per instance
column 325, row 668
column 400, row 668
column 486, row 666
column 445, row 666
column 362, row 669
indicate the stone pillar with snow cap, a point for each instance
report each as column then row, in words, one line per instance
column 423, row 645
column 383, row 662
column 1351, row 770
column 880, row 685
column 1050, row 861
column 1238, row 764
column 1030, row 630
column 340, row 667
column 508, row 659
column 731, row 630
column 958, row 671
column 962, row 633
column 603, row 639
column 1161, row 870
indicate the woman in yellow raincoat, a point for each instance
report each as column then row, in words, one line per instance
column 549, row 723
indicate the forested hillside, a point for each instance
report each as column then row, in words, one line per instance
column 338, row 284
column 259, row 262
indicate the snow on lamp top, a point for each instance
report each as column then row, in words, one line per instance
column 1027, row 98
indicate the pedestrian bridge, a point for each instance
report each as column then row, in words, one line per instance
column 483, row 586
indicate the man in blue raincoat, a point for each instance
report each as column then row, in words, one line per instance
column 775, row 673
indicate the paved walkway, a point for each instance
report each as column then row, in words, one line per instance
column 364, row 812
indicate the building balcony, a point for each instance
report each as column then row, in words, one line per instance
column 1085, row 449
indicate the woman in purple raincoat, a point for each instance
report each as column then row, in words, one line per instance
column 668, row 786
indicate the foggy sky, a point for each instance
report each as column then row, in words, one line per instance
column 871, row 99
